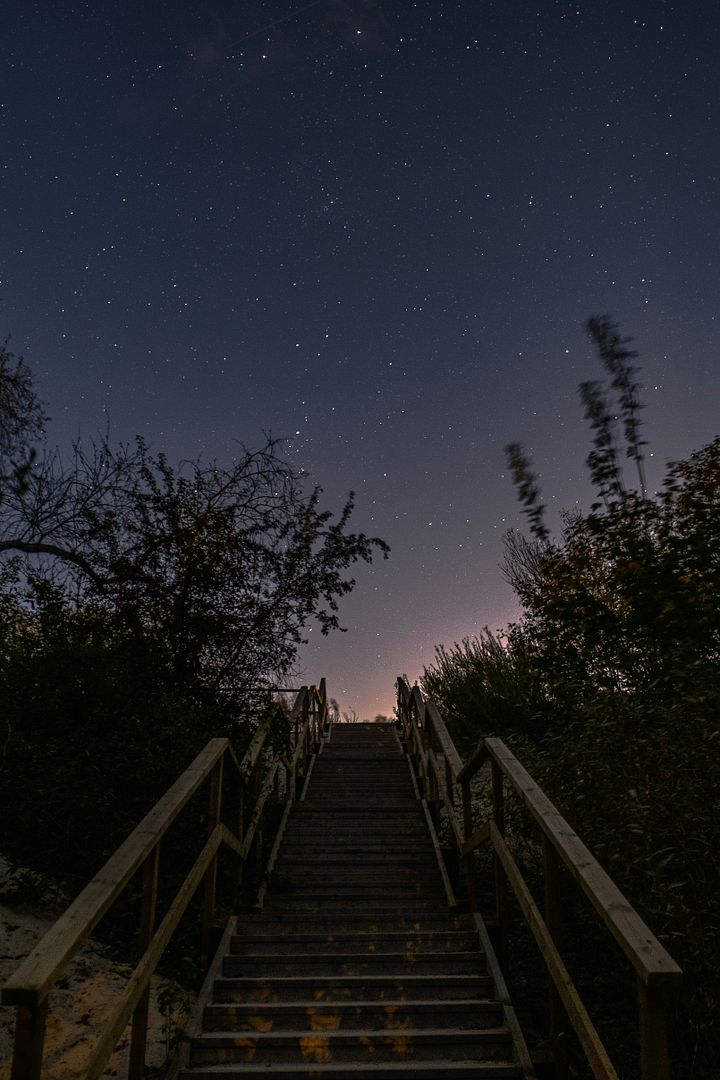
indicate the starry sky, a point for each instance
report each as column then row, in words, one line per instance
column 374, row 229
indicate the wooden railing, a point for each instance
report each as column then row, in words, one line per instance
column 447, row 781
column 29, row 987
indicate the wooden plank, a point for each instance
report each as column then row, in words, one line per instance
column 649, row 958
column 28, row 1047
column 120, row 1012
column 503, row 996
column 263, row 797
column 443, row 736
column 473, row 763
column 600, row 1064
column 300, row 702
column 35, row 976
column 469, row 861
column 273, row 853
column 148, row 909
column 208, row 906
column 435, row 769
column 232, row 756
column 449, row 892
column 254, row 750
column 230, row 840
column 300, row 748
column 194, row 1024
column 654, row 1055
column 475, row 839
column 455, row 826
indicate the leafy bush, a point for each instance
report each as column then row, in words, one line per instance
column 608, row 691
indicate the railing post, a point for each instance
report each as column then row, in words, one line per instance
column 423, row 749
column 470, row 857
column 553, row 920
column 29, row 1041
column 654, row 1055
column 501, row 888
column 208, row 910
column 259, row 841
column 148, row 909
column 449, row 786
column 237, row 861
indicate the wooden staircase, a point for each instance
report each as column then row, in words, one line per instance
column 356, row 965
column 356, row 960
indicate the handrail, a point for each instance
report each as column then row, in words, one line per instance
column 439, row 765
column 29, row 986
column 649, row 958
column 31, row 982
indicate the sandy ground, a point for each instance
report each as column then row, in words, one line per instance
column 78, row 1005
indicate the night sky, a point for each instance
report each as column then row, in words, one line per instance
column 376, row 230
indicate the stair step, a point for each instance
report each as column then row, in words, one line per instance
column 367, row 893
column 340, row 853
column 291, row 989
column 391, row 909
column 381, row 942
column 407, row 922
column 293, row 855
column 261, row 1048
column 382, row 876
column 430, row 1070
column 338, row 819
column 330, row 964
column 314, row 1016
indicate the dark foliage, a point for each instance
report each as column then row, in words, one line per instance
column 144, row 608
column 608, row 691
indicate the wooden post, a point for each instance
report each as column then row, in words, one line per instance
column 449, row 786
column 148, row 910
column 259, row 841
column 501, row 889
column 553, row 921
column 208, row 910
column 654, row 1055
column 29, row 1041
column 237, row 861
column 470, row 857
